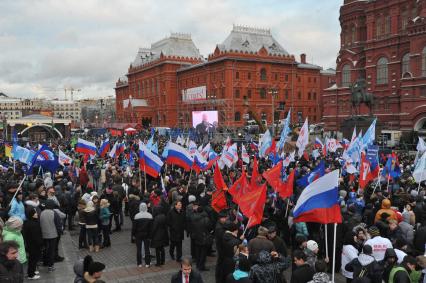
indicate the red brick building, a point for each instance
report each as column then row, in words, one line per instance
column 250, row 65
column 383, row 42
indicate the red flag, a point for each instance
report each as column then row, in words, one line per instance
column 218, row 179
column 306, row 156
column 219, row 200
column 365, row 175
column 255, row 175
column 286, row 189
column 273, row 176
column 252, row 205
column 272, row 148
column 239, row 188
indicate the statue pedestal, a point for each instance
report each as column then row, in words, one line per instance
column 361, row 122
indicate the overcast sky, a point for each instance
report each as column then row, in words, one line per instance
column 47, row 45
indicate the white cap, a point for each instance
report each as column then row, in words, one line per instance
column 312, row 245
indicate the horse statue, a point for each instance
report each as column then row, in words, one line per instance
column 359, row 95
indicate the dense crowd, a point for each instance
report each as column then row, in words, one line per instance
column 381, row 238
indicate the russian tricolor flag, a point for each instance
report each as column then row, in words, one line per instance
column 319, row 201
column 85, row 147
column 103, row 150
column 179, row 156
column 149, row 162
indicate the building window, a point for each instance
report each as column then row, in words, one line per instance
column 262, row 93
column 404, row 19
column 237, row 116
column 378, row 27
column 309, row 96
column 382, row 71
column 249, row 75
column 237, row 93
column 263, row 74
column 276, row 76
column 299, row 95
column 346, row 75
column 423, row 91
column 387, row 24
column 353, row 33
column 286, row 77
column 315, row 96
column 249, row 93
column 405, row 63
column 237, row 75
column 424, row 62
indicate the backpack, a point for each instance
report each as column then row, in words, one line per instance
column 362, row 276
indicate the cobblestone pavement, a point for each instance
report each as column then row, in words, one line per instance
column 120, row 261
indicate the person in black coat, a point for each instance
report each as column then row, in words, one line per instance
column 219, row 231
column 186, row 273
column 176, row 223
column 279, row 243
column 143, row 226
column 304, row 272
column 33, row 240
column 159, row 234
column 241, row 273
column 200, row 232
column 10, row 268
column 230, row 243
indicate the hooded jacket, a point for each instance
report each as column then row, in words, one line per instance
column 268, row 269
column 320, row 277
column 143, row 222
column 374, row 270
column 386, row 208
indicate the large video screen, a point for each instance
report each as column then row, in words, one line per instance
column 204, row 119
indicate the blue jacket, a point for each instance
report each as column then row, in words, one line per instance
column 17, row 209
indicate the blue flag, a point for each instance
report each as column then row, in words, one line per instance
column 391, row 168
column 318, row 172
column 285, row 132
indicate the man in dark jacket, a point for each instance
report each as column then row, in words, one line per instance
column 143, row 228
column 365, row 267
column 159, row 235
column 186, row 273
column 219, row 231
column 269, row 268
column 33, row 240
column 260, row 243
column 200, row 232
column 121, row 193
column 279, row 244
column 11, row 270
column 303, row 272
column 392, row 271
column 176, row 223
column 230, row 243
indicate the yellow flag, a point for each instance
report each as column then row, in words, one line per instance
column 8, row 150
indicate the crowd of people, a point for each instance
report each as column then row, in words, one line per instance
column 382, row 236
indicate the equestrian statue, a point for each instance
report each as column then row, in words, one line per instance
column 359, row 95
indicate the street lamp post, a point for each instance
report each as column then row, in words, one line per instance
column 273, row 92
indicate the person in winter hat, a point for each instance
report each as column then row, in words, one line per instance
column 321, row 275
column 269, row 267
column 12, row 232
column 311, row 252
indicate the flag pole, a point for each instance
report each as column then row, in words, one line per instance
column 144, row 171
column 245, row 229
column 387, row 186
column 421, row 177
column 286, row 210
column 377, row 183
column 326, row 240
column 18, row 189
column 334, row 253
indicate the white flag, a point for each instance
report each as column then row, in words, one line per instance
column 244, row 155
column 303, row 139
column 63, row 158
column 419, row 173
column 192, row 148
column 421, row 146
column 289, row 158
column 205, row 151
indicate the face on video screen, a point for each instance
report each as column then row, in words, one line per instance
column 206, row 118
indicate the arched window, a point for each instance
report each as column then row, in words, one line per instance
column 263, row 74
column 405, row 64
column 353, row 34
column 378, row 27
column 424, row 62
column 346, row 75
column 237, row 116
column 382, row 71
column 263, row 93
